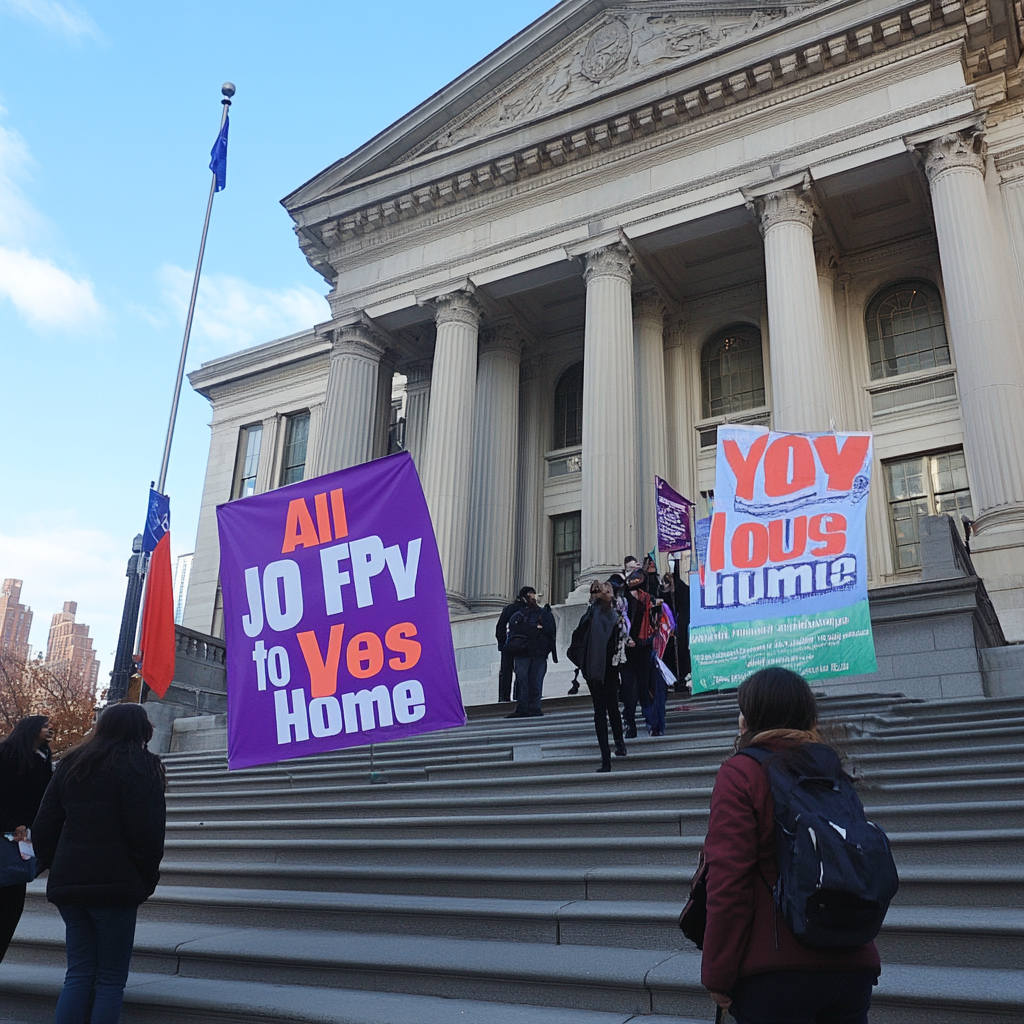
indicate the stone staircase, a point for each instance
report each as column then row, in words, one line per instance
column 487, row 875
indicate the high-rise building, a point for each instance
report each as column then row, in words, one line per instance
column 70, row 645
column 182, row 573
column 15, row 621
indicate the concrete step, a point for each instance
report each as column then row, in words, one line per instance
column 31, row 991
column 335, row 802
column 959, row 936
column 626, row 981
column 646, row 820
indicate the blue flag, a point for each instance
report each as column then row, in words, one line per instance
column 158, row 520
column 219, row 157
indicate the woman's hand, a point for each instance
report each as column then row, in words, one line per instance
column 721, row 998
column 21, row 834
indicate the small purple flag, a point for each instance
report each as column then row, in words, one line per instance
column 673, row 518
column 335, row 616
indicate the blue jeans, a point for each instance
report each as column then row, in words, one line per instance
column 99, row 949
column 529, row 684
column 803, row 997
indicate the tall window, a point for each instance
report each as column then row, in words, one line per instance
column 293, row 458
column 566, row 533
column 732, row 371
column 247, row 461
column 906, row 330
column 925, row 485
column 569, row 408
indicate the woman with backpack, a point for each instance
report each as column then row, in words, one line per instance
column 597, row 648
column 100, row 830
column 754, row 965
column 25, row 771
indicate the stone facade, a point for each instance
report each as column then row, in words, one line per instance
column 810, row 216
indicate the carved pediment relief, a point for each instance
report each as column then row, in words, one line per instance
column 621, row 47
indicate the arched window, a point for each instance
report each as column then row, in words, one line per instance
column 732, row 371
column 569, row 408
column 906, row 330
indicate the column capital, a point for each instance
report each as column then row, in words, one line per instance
column 530, row 367
column 649, row 305
column 459, row 307
column 502, row 338
column 956, row 151
column 675, row 328
column 610, row 261
column 359, row 340
column 826, row 256
column 791, row 205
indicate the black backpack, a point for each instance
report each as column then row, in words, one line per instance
column 836, row 872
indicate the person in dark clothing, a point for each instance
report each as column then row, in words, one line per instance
column 650, row 570
column 753, row 966
column 676, row 594
column 640, row 677
column 595, row 645
column 25, row 771
column 531, row 635
column 100, row 830
column 501, row 635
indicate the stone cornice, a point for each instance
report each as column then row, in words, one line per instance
column 954, row 152
column 610, row 261
column 262, row 358
column 859, row 46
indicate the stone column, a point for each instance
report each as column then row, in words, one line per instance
column 679, row 411
column 530, row 486
column 609, row 415
column 349, row 408
column 417, row 402
column 382, row 414
column 495, row 439
column 447, row 469
column 984, row 337
column 651, row 440
column 802, row 388
column 826, row 257
column 1011, row 187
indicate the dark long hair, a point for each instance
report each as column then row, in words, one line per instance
column 118, row 738
column 776, row 698
column 21, row 742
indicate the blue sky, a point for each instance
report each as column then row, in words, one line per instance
column 108, row 111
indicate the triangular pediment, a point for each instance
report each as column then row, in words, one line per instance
column 578, row 52
column 625, row 45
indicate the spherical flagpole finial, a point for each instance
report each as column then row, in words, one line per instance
column 228, row 89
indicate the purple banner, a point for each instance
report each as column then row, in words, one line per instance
column 335, row 616
column 673, row 518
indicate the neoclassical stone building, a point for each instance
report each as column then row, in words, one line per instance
column 639, row 219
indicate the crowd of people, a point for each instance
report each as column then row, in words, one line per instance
column 97, row 825
column 630, row 645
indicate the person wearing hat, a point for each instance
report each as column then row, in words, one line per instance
column 531, row 637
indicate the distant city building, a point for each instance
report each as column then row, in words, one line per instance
column 70, row 645
column 15, row 621
column 182, row 574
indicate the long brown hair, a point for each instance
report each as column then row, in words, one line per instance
column 775, row 698
column 119, row 737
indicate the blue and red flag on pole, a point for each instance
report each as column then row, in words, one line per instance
column 157, row 644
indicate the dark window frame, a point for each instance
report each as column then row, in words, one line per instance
column 244, row 474
column 732, row 371
column 568, row 425
column 913, row 304
column 289, row 465
column 565, row 560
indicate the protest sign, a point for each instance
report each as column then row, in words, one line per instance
column 673, row 518
column 335, row 616
column 784, row 580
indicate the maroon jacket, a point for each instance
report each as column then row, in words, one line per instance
column 740, row 849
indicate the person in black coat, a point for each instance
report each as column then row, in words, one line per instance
column 100, row 831
column 595, row 642
column 531, row 638
column 501, row 635
column 25, row 771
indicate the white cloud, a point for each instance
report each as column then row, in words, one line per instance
column 42, row 293
column 60, row 561
column 45, row 295
column 65, row 19
column 231, row 313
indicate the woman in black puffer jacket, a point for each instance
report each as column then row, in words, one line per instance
column 100, row 830
column 25, row 772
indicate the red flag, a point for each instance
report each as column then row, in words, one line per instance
column 157, row 646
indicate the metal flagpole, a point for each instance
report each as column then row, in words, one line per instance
column 228, row 90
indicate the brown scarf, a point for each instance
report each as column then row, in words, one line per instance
column 793, row 736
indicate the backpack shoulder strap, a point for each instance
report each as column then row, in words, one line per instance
column 759, row 754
